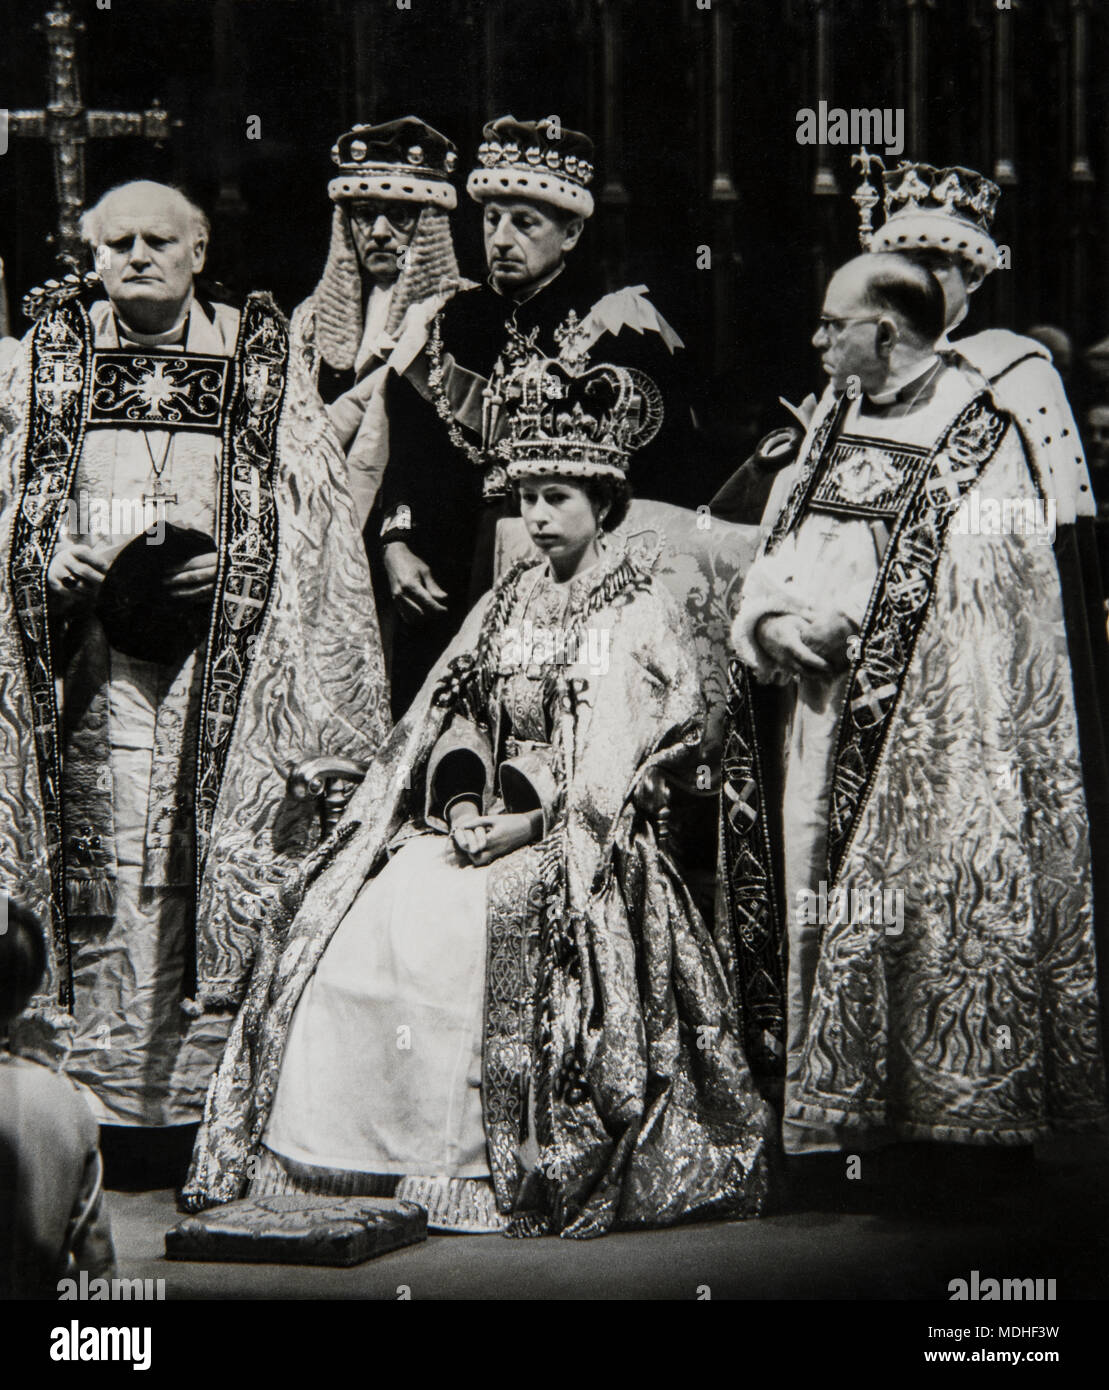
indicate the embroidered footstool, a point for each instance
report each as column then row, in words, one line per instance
column 291, row 1228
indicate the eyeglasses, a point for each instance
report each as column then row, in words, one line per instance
column 835, row 326
column 400, row 216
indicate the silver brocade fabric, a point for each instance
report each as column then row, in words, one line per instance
column 316, row 680
column 977, row 1021
column 615, row 1089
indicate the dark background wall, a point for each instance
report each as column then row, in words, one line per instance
column 694, row 112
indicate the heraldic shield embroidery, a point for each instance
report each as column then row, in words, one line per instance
column 247, row 545
column 929, row 496
column 72, row 388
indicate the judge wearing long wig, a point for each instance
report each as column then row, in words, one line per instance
column 390, row 249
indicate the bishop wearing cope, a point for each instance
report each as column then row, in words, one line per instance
column 158, row 684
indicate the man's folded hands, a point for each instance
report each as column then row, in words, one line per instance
column 815, row 645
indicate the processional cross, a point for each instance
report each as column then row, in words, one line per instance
column 67, row 124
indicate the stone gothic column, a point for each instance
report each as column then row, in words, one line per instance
column 1080, row 182
column 825, row 188
column 613, row 198
column 916, row 114
column 364, row 57
column 1005, row 154
column 229, row 213
column 723, row 196
column 489, row 88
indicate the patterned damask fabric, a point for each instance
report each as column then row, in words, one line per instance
column 955, row 790
column 702, row 561
column 317, row 683
column 313, row 679
column 25, row 844
column 607, row 1003
column 979, row 1021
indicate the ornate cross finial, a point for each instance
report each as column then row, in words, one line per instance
column 573, row 345
column 67, row 125
column 865, row 197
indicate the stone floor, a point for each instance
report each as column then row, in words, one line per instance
column 905, row 1237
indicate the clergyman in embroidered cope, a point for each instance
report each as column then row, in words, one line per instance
column 926, row 895
column 145, row 814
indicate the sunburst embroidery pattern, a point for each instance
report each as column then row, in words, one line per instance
column 156, row 390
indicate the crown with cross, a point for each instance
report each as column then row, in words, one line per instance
column 405, row 161
column 534, row 159
column 568, row 419
column 933, row 209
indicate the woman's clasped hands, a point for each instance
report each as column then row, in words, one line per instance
column 483, row 838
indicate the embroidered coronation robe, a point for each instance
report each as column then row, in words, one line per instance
column 905, row 845
column 613, row 1088
column 145, row 817
column 346, row 408
column 1023, row 381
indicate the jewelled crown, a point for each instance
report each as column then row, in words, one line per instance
column 534, row 159
column 406, row 161
column 568, row 419
column 939, row 210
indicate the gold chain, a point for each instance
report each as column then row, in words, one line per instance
column 478, row 457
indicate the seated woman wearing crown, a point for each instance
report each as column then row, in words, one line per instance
column 498, row 998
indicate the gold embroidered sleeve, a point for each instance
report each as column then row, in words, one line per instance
column 461, row 764
column 529, row 782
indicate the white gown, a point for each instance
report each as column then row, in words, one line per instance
column 392, row 1019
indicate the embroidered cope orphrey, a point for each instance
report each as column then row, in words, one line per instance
column 135, row 390
column 73, row 388
column 917, row 491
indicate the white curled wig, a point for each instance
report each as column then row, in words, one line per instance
column 338, row 296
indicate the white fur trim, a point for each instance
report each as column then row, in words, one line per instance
column 563, row 468
column 1024, row 382
column 935, row 231
column 396, row 186
column 516, row 181
column 763, row 596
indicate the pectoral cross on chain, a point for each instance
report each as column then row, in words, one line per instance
column 160, row 497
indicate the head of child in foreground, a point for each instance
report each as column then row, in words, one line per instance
column 22, row 960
